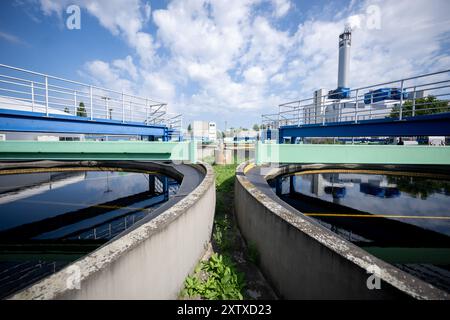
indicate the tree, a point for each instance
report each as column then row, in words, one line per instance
column 81, row 110
column 255, row 127
column 66, row 110
column 423, row 106
column 189, row 129
column 419, row 186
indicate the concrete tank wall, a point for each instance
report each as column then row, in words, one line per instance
column 150, row 262
column 205, row 151
column 303, row 260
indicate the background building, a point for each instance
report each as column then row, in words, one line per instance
column 204, row 131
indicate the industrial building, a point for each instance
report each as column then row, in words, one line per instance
column 204, row 131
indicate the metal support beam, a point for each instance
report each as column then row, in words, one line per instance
column 23, row 121
column 98, row 150
column 151, row 184
column 429, row 125
column 351, row 154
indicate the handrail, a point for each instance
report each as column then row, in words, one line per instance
column 28, row 90
column 366, row 103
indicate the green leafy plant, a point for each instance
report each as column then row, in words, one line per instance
column 223, row 281
column 221, row 234
column 422, row 106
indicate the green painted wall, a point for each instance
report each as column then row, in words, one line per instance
column 98, row 150
column 358, row 154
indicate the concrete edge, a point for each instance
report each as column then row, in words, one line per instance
column 397, row 278
column 56, row 285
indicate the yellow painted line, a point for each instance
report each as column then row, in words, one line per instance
column 374, row 216
column 368, row 171
column 249, row 167
column 70, row 169
column 80, row 204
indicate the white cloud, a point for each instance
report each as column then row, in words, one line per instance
column 109, row 76
column 126, row 66
column 121, row 18
column 281, row 7
column 255, row 75
column 223, row 60
column 158, row 86
column 11, row 38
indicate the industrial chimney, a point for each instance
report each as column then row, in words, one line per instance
column 343, row 89
column 345, row 42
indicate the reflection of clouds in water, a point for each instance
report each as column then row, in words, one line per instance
column 116, row 184
column 435, row 205
column 81, row 194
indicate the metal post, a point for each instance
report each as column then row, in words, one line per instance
column 125, row 223
column 324, row 109
column 414, row 103
column 279, row 116
column 356, row 107
column 46, row 96
column 106, row 107
column 371, row 103
column 32, row 96
column 131, row 112
column 292, row 184
column 151, row 184
column 279, row 186
column 90, row 97
column 95, row 233
column 146, row 111
column 165, row 182
column 75, row 102
column 401, row 101
column 123, row 108
column 339, row 112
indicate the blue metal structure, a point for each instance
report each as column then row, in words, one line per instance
column 37, row 102
column 382, row 94
column 414, row 107
column 339, row 93
column 24, row 121
column 429, row 125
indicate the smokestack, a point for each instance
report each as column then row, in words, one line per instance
column 345, row 42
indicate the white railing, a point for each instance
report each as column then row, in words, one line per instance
column 26, row 90
column 409, row 97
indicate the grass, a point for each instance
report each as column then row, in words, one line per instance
column 217, row 278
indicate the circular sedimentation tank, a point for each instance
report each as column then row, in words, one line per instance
column 54, row 213
column 401, row 216
column 396, row 218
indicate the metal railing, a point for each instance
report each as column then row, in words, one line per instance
column 109, row 230
column 409, row 97
column 26, row 90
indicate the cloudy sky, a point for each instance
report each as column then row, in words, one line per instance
column 225, row 60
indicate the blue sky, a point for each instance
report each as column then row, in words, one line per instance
column 225, row 60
